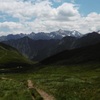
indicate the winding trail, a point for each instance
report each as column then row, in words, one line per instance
column 43, row 94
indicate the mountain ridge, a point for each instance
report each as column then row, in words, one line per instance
column 41, row 49
column 76, row 56
column 42, row 35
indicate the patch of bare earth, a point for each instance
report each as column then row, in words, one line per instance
column 43, row 94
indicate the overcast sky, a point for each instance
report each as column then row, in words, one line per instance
column 26, row 16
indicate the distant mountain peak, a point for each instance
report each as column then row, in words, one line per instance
column 43, row 36
column 76, row 33
column 94, row 33
column 73, row 33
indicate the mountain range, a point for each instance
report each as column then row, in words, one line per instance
column 43, row 36
column 42, row 48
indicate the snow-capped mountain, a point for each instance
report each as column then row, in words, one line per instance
column 43, row 36
column 54, row 35
column 75, row 34
column 41, row 49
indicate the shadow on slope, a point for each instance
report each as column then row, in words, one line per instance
column 81, row 55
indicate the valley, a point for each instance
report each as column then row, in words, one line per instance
column 66, row 74
column 49, row 49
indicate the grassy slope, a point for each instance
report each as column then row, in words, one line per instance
column 10, row 57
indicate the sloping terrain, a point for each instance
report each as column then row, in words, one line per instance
column 11, row 58
column 41, row 49
column 88, row 39
column 34, row 49
column 81, row 55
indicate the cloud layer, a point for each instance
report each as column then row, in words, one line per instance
column 42, row 15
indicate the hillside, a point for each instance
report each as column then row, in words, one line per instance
column 11, row 58
column 34, row 49
column 81, row 55
column 87, row 39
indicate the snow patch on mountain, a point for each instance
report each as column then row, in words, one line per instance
column 44, row 36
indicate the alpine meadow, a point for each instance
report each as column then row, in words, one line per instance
column 49, row 50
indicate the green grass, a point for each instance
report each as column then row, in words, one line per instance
column 72, row 82
column 80, row 82
column 9, row 55
column 13, row 61
column 36, row 95
column 13, row 90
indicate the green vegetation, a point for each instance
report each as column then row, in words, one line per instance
column 36, row 95
column 65, row 80
column 11, row 55
column 72, row 82
column 78, row 82
column 11, row 60
column 13, row 90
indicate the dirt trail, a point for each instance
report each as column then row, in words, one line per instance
column 30, row 85
column 43, row 94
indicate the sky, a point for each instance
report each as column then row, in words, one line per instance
column 26, row 16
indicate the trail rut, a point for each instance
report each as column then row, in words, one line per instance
column 43, row 94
